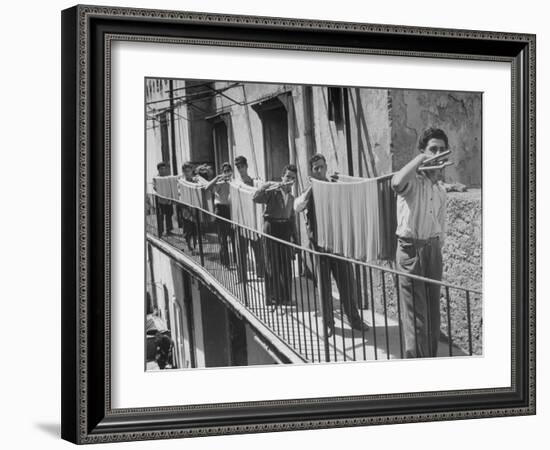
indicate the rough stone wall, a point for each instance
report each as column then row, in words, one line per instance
column 462, row 261
column 457, row 113
column 462, row 249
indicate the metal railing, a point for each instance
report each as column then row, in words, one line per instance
column 313, row 300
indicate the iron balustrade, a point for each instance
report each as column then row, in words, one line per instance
column 303, row 297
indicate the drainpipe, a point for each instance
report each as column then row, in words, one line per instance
column 348, row 132
column 173, row 129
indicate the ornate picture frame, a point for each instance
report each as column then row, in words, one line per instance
column 88, row 33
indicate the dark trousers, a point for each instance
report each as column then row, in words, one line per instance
column 187, row 223
column 278, row 263
column 246, row 239
column 190, row 233
column 343, row 273
column 224, row 231
column 164, row 217
column 420, row 302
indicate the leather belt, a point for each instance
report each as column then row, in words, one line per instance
column 419, row 242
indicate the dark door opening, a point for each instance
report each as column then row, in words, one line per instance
column 275, row 131
column 221, row 146
column 164, row 140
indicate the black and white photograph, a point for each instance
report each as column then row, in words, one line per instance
column 297, row 224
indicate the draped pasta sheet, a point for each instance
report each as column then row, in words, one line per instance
column 347, row 215
column 166, row 186
column 191, row 194
column 244, row 210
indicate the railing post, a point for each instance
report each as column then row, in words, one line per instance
column 240, row 240
column 383, row 275
column 199, row 233
column 469, row 321
column 319, row 276
column 399, row 320
column 373, row 312
column 449, row 332
column 159, row 217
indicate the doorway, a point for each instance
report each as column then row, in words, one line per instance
column 274, row 119
column 275, row 130
column 221, row 144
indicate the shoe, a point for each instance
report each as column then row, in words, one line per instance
column 360, row 325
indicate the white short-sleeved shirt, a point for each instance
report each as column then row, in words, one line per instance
column 421, row 209
column 221, row 194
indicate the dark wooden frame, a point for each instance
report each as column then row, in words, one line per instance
column 87, row 32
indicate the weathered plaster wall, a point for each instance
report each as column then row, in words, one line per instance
column 245, row 122
column 330, row 139
column 370, row 132
column 457, row 113
column 200, row 140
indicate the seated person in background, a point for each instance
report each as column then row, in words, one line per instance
column 280, row 222
column 156, row 329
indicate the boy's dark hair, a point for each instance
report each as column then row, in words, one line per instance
column 432, row 133
column 162, row 164
column 187, row 165
column 241, row 161
column 290, row 168
column 204, row 171
column 226, row 164
column 315, row 158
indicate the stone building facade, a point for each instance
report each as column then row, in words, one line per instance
column 364, row 132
